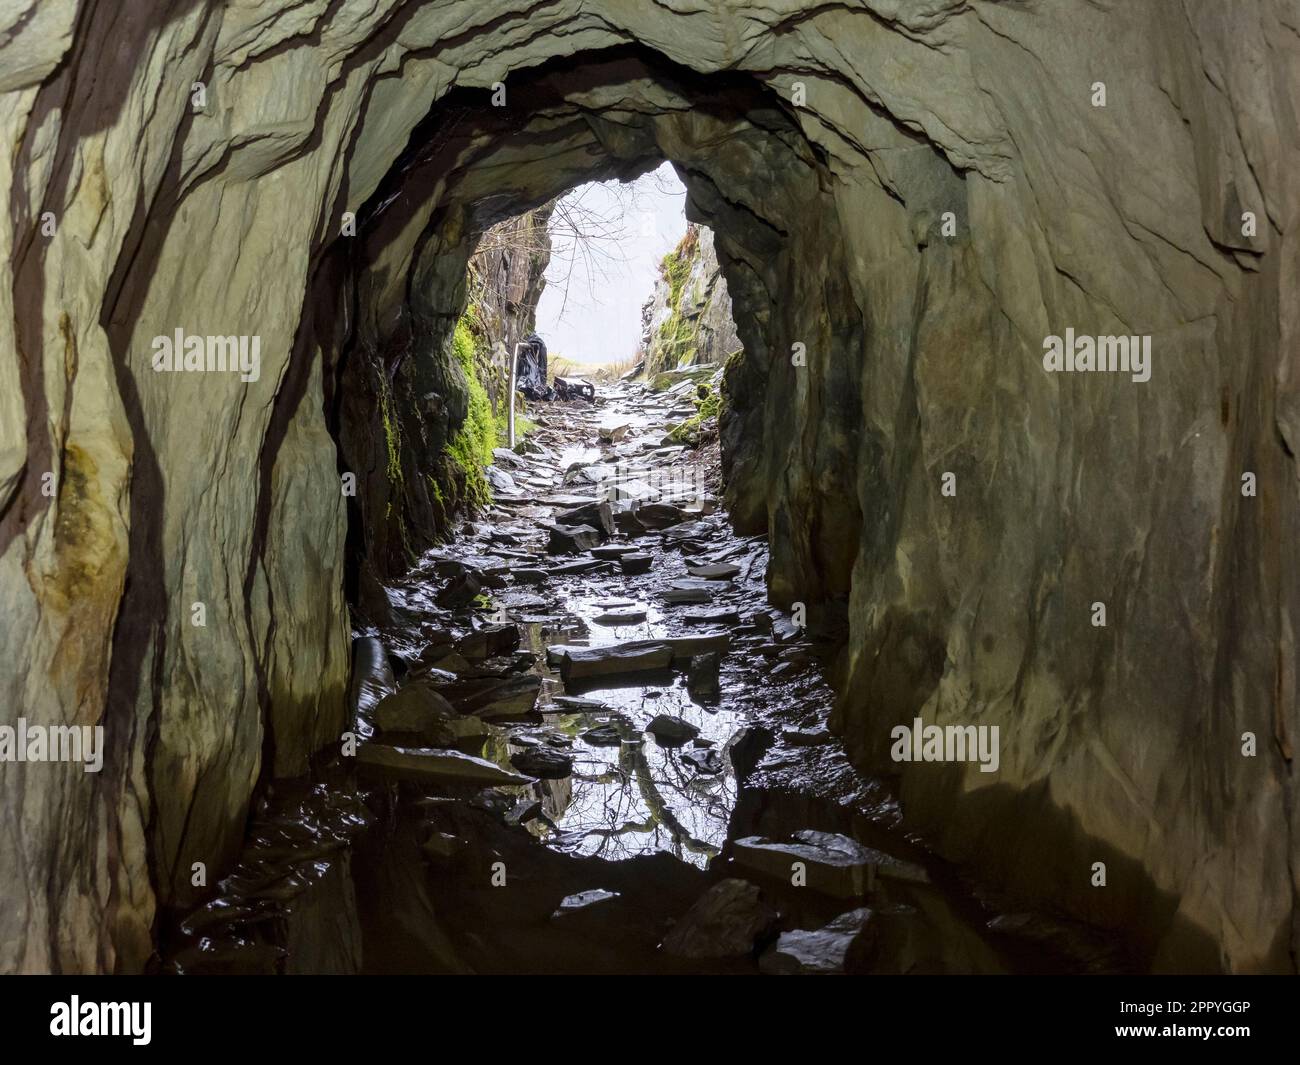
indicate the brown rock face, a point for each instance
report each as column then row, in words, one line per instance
column 908, row 197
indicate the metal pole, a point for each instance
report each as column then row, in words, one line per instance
column 514, row 362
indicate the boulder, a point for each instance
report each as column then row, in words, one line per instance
column 722, row 615
column 612, row 552
column 658, row 515
column 686, row 591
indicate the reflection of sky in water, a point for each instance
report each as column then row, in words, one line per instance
column 638, row 797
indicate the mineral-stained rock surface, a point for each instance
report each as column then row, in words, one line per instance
column 908, row 196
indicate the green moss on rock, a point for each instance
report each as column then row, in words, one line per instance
column 470, row 450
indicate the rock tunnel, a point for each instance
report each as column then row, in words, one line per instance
column 908, row 197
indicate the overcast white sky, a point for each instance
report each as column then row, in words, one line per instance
column 590, row 310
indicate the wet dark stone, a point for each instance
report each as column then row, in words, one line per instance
column 620, row 617
column 490, row 698
column 417, row 708
column 576, row 703
column 571, row 539
column 543, row 762
column 462, row 590
column 671, row 731
column 633, row 657
column 433, row 765
column 747, row 747
column 597, row 515
column 784, row 629
column 583, row 901
column 603, row 736
column 586, row 565
column 634, row 564
column 524, row 811
column 837, row 947
column 443, row 846
column 500, row 481
column 702, row 678
column 489, row 642
column 722, row 615
column 712, row 571
column 835, row 865
column 686, row 594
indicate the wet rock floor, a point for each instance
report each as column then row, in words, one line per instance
column 585, row 743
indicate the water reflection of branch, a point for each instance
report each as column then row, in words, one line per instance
column 655, row 801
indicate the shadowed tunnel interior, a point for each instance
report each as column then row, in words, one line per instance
column 908, row 202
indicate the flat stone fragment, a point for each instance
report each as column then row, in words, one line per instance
column 572, row 539
column 722, row 615
column 606, row 735
column 546, row 763
column 638, row 657
column 612, row 552
column 671, row 731
column 582, row 901
column 620, row 617
column 712, row 571
column 433, row 765
column 835, row 865
column 492, row 697
column 825, row 951
column 681, row 592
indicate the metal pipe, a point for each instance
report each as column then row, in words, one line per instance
column 514, row 363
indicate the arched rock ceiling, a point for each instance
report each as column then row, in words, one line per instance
column 923, row 358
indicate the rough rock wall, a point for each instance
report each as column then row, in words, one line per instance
column 687, row 319
column 509, row 273
column 832, row 146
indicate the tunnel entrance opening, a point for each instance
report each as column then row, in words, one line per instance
column 468, row 167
